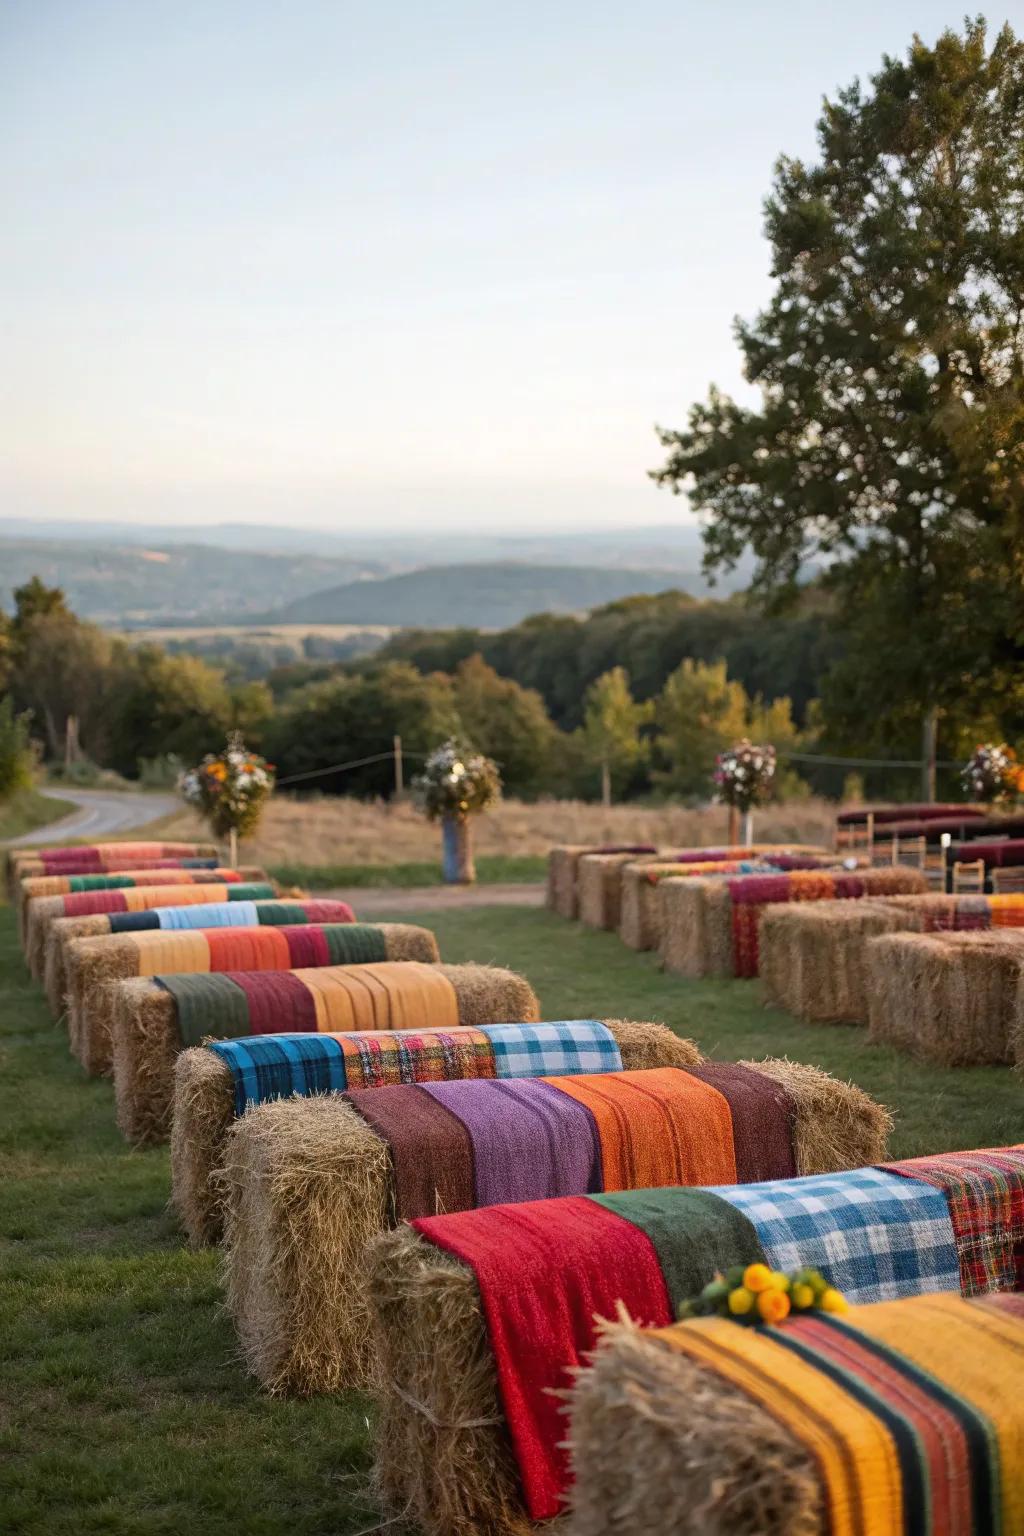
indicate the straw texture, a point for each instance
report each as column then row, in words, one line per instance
column 949, row 998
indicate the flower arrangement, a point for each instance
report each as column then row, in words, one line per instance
column 229, row 789
column 757, row 1294
column 456, row 781
column 992, row 773
column 744, row 775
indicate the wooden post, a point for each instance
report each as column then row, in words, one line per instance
column 734, row 823
column 606, row 784
column 233, row 849
column 748, row 829
column 397, row 749
column 929, row 738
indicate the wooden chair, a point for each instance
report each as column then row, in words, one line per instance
column 969, row 878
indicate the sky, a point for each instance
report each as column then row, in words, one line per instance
column 390, row 265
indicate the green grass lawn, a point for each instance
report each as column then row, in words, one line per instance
column 122, row 1407
column 491, row 869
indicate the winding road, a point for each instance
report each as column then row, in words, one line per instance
column 100, row 813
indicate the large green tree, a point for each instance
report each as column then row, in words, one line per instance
column 889, row 439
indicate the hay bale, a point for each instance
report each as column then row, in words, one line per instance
column 41, row 911
column 599, row 886
column 662, row 1444
column 60, row 933
column 639, row 909
column 291, row 1258
column 204, row 1111
column 949, row 998
column 94, row 966
column 442, row 1454
column 813, row 955
column 697, row 915
column 146, row 1042
column 561, row 884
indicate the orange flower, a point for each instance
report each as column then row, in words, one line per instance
column 773, row 1306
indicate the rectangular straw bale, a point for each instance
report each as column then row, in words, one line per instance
column 95, row 966
column 640, row 911
column 204, row 1111
column 304, row 1191
column 146, row 1039
column 948, row 998
column 698, row 918
column 561, row 884
column 599, row 886
column 813, row 955
column 442, row 1452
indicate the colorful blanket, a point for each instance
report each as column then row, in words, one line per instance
column 494, row 1142
column 392, row 995
column 985, row 1192
column 277, row 1066
column 909, row 1410
column 141, row 898
column 750, row 894
column 545, row 1269
column 1005, row 854
column 74, row 885
column 259, row 948
column 100, row 855
column 233, row 914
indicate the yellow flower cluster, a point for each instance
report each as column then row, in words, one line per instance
column 757, row 1294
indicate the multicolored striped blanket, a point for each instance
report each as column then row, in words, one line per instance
column 458, row 1145
column 329, row 1000
column 750, row 894
column 546, row 1269
column 105, row 856
column 271, row 947
column 232, row 914
column 278, row 1066
column 142, row 898
column 199, row 872
column 910, row 1411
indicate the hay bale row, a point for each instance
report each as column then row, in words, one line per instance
column 709, row 930
column 599, row 886
column 80, row 884
column 95, row 858
column 95, row 967
column 640, row 905
column 165, row 920
column 246, row 885
column 146, row 1034
column 205, row 1111
column 949, row 998
column 444, row 1456
column 677, row 1430
column 306, row 1183
column 563, row 865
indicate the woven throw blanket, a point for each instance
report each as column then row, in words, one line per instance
column 142, row 898
column 77, row 883
column 112, row 866
column 213, row 914
column 543, row 1269
column 98, row 851
column 750, row 895
column 547, row 1270
column 762, row 1120
column 999, row 855
column 1006, row 911
column 263, row 948
column 909, row 1410
column 963, row 914
column 873, row 1234
column 157, row 951
column 394, row 995
column 539, row 1138
column 275, row 1066
column 985, row 1193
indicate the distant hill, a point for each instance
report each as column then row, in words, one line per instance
column 484, row 596
column 135, row 583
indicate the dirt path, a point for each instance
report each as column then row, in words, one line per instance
column 101, row 812
column 436, row 898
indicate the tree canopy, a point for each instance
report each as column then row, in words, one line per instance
column 889, row 439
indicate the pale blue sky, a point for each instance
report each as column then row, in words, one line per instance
column 391, row 263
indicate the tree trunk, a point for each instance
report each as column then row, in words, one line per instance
column 929, row 738
column 457, row 866
column 606, row 785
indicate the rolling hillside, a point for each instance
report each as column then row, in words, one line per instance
column 491, row 596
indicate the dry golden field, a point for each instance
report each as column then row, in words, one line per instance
column 344, row 831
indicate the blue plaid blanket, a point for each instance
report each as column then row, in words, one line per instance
column 276, row 1066
column 872, row 1234
column 553, row 1050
